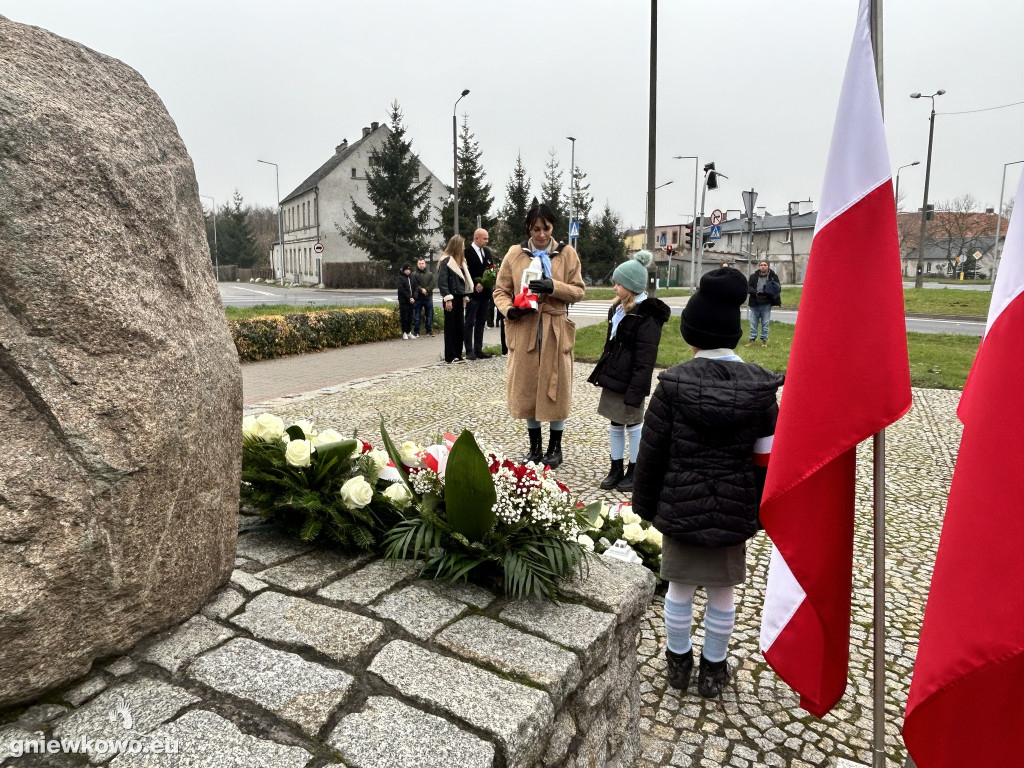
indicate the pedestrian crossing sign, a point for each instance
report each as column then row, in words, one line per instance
column 574, row 229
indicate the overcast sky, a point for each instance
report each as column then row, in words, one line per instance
column 750, row 85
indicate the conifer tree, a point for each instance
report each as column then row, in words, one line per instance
column 517, row 205
column 474, row 193
column 235, row 241
column 395, row 232
column 581, row 203
column 552, row 195
column 605, row 248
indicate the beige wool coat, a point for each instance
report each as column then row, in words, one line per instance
column 539, row 381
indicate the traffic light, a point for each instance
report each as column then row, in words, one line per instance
column 708, row 242
column 712, row 177
column 688, row 236
column 668, row 250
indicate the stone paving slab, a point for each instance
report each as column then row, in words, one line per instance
column 85, row 691
column 270, row 547
column 207, row 740
column 296, row 690
column 491, row 643
column 519, row 717
column 223, row 604
column 572, row 626
column 419, row 610
column 246, row 582
column 312, row 570
column 390, row 734
column 192, row 638
column 607, row 585
column 370, row 582
column 337, row 634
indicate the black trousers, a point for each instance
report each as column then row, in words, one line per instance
column 405, row 315
column 453, row 330
column 476, row 321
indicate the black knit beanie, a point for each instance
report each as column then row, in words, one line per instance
column 711, row 318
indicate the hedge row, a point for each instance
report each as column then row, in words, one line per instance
column 262, row 338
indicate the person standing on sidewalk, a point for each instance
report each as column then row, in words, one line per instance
column 626, row 366
column 479, row 260
column 764, row 291
column 406, row 299
column 700, row 474
column 424, row 306
column 454, row 282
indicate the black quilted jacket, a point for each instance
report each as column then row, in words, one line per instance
column 695, row 475
column 627, row 363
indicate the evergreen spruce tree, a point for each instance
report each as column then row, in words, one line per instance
column 474, row 193
column 551, row 194
column 235, row 241
column 395, row 232
column 605, row 248
column 517, row 205
column 582, row 202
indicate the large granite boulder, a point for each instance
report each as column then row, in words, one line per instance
column 120, row 389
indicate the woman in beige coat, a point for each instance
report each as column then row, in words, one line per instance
column 540, row 342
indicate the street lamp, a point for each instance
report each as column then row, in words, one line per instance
column 455, row 156
column 999, row 224
column 650, row 236
column 216, row 260
column 897, row 194
column 572, row 188
column 919, row 280
column 280, row 224
column 693, row 240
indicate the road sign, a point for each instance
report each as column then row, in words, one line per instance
column 662, row 240
column 716, row 233
column 318, row 248
column 574, row 229
column 717, row 216
column 749, row 198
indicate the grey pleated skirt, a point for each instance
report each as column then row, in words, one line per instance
column 613, row 408
column 703, row 566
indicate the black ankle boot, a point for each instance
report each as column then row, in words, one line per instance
column 712, row 677
column 553, row 458
column 680, row 667
column 536, row 454
column 626, row 484
column 614, row 476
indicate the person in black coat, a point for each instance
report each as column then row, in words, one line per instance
column 700, row 473
column 407, row 289
column 764, row 291
column 479, row 259
column 454, row 282
column 626, row 367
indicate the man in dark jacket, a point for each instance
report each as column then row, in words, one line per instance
column 764, row 291
column 479, row 260
column 407, row 288
column 700, row 473
column 424, row 304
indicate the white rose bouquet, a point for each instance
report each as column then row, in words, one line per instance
column 608, row 525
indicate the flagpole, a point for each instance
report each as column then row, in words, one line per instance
column 878, row 725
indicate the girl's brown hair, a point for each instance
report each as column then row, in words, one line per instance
column 456, row 249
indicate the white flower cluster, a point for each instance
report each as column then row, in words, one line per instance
column 527, row 499
column 426, row 481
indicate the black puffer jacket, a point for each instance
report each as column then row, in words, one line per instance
column 627, row 363
column 695, row 475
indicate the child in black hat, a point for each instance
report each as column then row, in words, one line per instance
column 700, row 473
column 408, row 286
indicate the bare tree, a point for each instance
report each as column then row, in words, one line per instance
column 263, row 225
column 958, row 228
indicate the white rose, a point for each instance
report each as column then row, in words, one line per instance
column 299, row 453
column 248, row 425
column 268, row 427
column 398, row 494
column 629, row 517
column 603, row 511
column 653, row 537
column 307, row 428
column 356, row 492
column 327, row 436
column 585, row 541
column 380, row 458
column 633, row 533
column 410, row 454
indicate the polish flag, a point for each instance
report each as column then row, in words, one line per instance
column 966, row 703
column 848, row 378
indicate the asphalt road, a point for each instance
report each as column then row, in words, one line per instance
column 250, row 294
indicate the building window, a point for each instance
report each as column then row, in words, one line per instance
column 353, row 173
column 928, row 267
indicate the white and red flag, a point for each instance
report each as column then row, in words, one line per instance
column 848, row 378
column 966, row 703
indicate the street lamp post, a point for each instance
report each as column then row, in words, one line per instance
column 572, row 189
column 919, row 279
column 216, row 259
column 897, row 192
column 693, row 241
column 999, row 224
column 280, row 223
column 455, row 158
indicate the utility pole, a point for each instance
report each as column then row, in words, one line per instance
column 652, row 144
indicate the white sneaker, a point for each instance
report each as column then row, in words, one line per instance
column 414, row 336
column 405, row 336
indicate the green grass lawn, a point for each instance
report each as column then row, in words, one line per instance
column 937, row 361
column 926, row 301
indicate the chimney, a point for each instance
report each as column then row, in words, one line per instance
column 761, row 211
column 806, row 206
column 341, row 147
column 366, row 132
column 374, row 126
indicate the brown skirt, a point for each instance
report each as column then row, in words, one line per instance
column 613, row 407
column 703, row 566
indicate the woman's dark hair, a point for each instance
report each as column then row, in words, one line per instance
column 540, row 211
